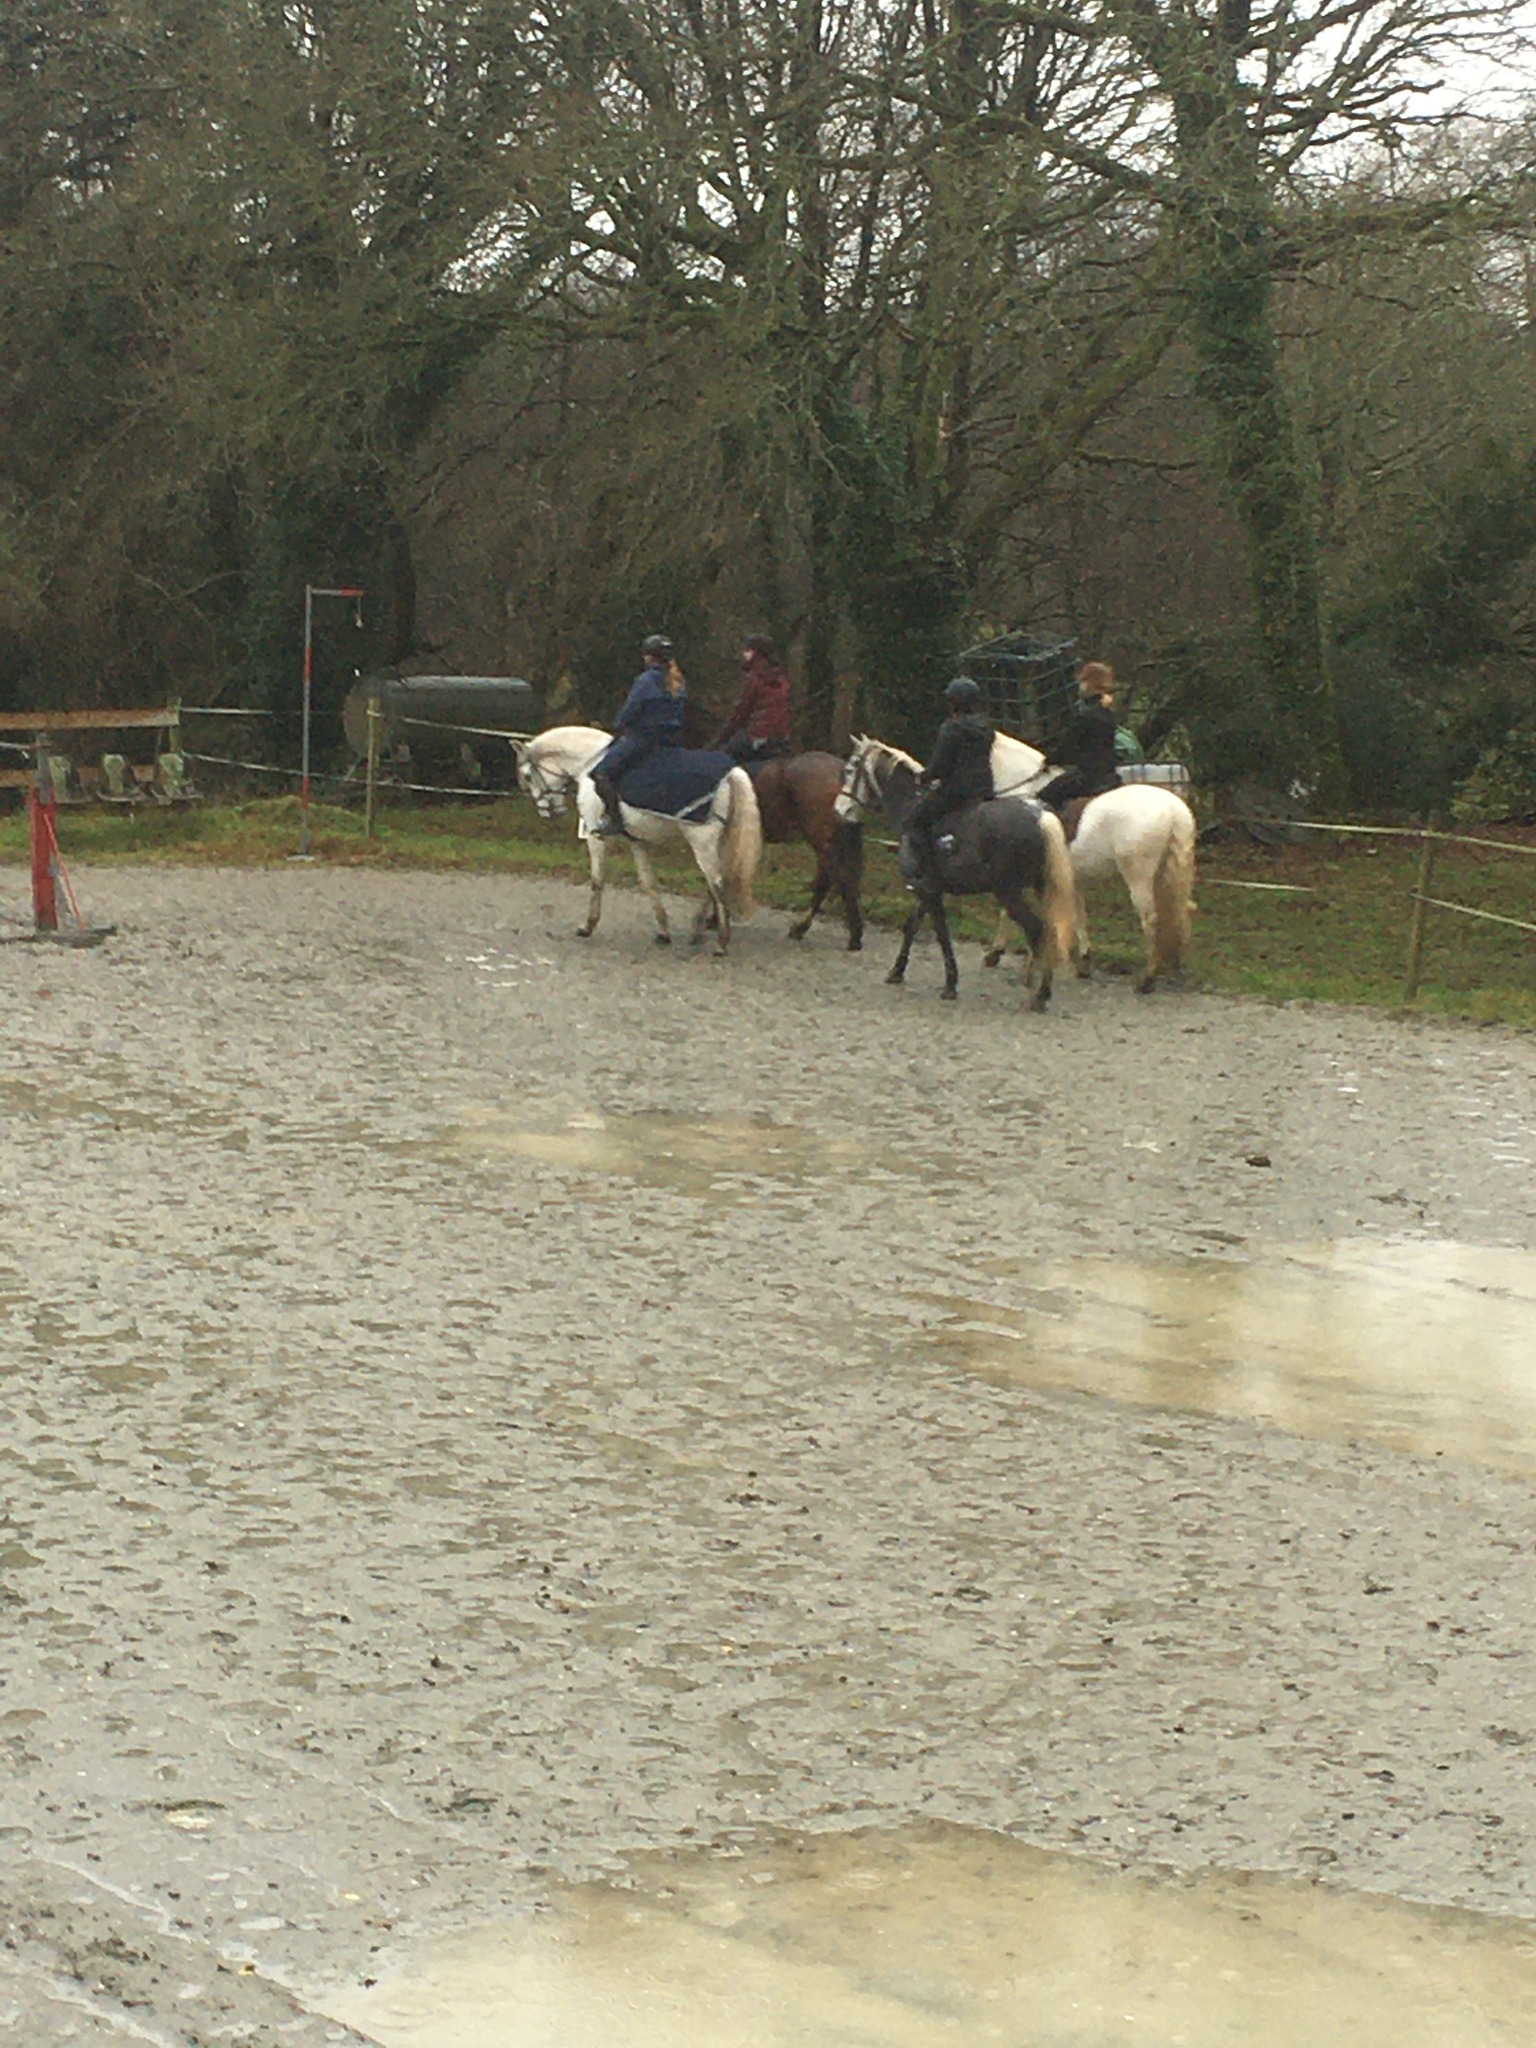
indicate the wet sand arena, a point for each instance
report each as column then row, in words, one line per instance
column 565, row 1493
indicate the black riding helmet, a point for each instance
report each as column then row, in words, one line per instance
column 962, row 694
column 658, row 647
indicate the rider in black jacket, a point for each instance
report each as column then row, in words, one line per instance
column 959, row 773
column 1091, row 747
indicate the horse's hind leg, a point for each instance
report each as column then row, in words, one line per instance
column 999, row 944
column 1034, row 934
column 914, row 919
column 951, row 986
column 646, row 875
column 1080, row 943
column 1145, row 899
column 819, row 888
column 714, row 909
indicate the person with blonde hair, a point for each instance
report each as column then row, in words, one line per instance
column 1091, row 747
column 651, row 717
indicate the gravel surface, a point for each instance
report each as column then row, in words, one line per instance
column 471, row 1413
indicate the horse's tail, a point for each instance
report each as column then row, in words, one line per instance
column 1173, row 894
column 741, row 845
column 1058, row 898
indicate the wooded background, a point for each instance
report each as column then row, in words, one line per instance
column 1200, row 331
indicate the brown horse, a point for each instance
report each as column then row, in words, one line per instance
column 797, row 797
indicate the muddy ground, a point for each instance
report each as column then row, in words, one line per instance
column 417, row 1488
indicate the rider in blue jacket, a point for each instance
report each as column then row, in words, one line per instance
column 652, row 716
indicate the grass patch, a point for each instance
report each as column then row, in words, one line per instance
column 1342, row 937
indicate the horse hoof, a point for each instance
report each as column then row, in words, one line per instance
column 798, row 931
column 990, row 959
column 583, row 931
column 894, row 980
column 1145, row 986
column 662, row 939
column 948, row 995
column 855, row 945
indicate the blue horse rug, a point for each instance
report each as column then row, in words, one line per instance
column 677, row 782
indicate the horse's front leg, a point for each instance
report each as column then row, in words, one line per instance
column 914, row 920
column 646, row 875
column 597, row 858
column 853, row 910
column 951, row 986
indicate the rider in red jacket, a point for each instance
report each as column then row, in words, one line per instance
column 758, row 724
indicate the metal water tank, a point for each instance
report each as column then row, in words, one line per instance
column 434, row 714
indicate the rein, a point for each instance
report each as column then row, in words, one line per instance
column 548, row 794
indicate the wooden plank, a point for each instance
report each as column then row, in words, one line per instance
column 83, row 721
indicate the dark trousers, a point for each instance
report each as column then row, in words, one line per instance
column 749, row 751
column 1075, row 782
column 923, row 823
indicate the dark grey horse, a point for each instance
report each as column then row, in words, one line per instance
column 1006, row 849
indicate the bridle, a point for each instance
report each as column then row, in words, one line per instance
column 859, row 787
column 547, row 791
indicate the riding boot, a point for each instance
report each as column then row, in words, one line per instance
column 612, row 824
column 918, row 861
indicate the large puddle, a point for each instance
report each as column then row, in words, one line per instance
column 945, row 1936
column 1429, row 1348
column 694, row 1155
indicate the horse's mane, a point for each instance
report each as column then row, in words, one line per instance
column 569, row 735
column 891, row 753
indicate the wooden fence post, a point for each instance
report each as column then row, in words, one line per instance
column 1421, row 906
column 374, row 715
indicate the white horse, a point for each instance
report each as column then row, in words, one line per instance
column 727, row 842
column 1144, row 834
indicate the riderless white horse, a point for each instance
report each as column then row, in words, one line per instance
column 1144, row 834
column 727, row 842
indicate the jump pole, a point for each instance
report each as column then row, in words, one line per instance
column 42, row 809
column 48, row 871
column 311, row 592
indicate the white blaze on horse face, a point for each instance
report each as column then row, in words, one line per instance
column 856, row 792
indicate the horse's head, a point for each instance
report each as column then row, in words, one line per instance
column 858, row 788
column 866, row 774
column 546, row 783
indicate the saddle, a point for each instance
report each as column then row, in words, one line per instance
column 1072, row 814
column 678, row 782
column 764, row 751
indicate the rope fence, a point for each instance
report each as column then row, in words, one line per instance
column 1430, row 837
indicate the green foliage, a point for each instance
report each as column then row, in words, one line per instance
column 1502, row 787
column 1214, row 692
column 667, row 597
column 902, row 580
